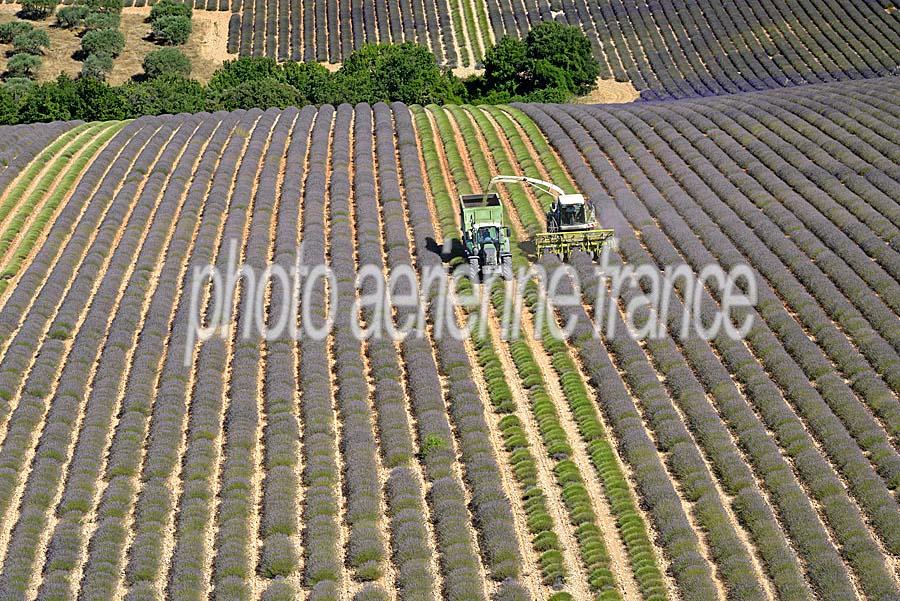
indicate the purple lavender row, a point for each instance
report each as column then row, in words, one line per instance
column 869, row 434
column 79, row 497
column 365, row 547
column 235, row 562
column 279, row 519
column 189, row 575
column 459, row 562
column 677, row 537
column 154, row 408
column 490, row 505
column 49, row 403
column 323, row 570
column 411, row 548
column 22, row 143
column 812, row 467
column 774, row 265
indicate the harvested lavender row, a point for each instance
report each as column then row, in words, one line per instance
column 189, row 572
column 491, row 506
column 60, row 428
column 279, row 520
column 678, row 540
column 31, row 286
column 50, row 402
column 49, row 325
column 24, row 143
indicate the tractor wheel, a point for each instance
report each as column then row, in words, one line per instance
column 507, row 268
column 474, row 270
column 552, row 224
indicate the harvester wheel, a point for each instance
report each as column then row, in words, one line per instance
column 474, row 270
column 507, row 268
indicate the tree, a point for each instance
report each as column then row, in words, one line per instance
column 9, row 107
column 101, row 20
column 312, row 80
column 23, row 64
column 505, row 63
column 171, row 8
column 396, row 72
column 52, row 101
column 106, row 41
column 166, row 61
column 166, row 94
column 244, row 69
column 567, row 48
column 97, row 101
column 8, row 31
column 263, row 93
column 97, row 66
column 171, row 30
column 38, row 9
column 31, row 42
column 70, row 17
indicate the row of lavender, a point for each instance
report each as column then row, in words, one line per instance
column 666, row 48
column 331, row 31
column 677, row 49
column 817, row 414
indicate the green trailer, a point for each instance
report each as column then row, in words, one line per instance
column 485, row 236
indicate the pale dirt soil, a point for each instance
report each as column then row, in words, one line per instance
column 206, row 48
column 610, row 91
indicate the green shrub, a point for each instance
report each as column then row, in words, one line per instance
column 69, row 17
column 568, row 49
column 31, row 42
column 23, row 64
column 10, row 30
column 97, row 66
column 9, row 105
column 106, row 41
column 395, row 72
column 312, row 80
column 96, row 20
column 171, row 8
column 262, row 93
column 166, row 61
column 250, row 68
column 171, row 30
column 38, row 9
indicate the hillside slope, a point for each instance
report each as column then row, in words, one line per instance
column 665, row 48
column 135, row 464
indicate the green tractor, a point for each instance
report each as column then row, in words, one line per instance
column 485, row 237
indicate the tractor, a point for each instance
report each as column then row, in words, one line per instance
column 571, row 222
column 485, row 237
